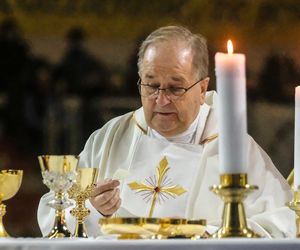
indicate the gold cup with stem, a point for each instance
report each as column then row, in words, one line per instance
column 80, row 192
column 10, row 182
column 59, row 174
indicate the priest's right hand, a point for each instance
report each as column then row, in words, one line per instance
column 106, row 197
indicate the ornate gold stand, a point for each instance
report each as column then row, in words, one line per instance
column 60, row 229
column 233, row 190
column 80, row 212
column 295, row 205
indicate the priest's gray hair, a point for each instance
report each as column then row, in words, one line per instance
column 196, row 42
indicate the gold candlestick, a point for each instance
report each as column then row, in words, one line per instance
column 295, row 206
column 80, row 191
column 233, row 190
column 59, row 174
column 10, row 182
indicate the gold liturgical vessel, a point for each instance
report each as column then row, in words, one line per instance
column 295, row 206
column 295, row 203
column 128, row 228
column 233, row 189
column 10, row 182
column 59, row 174
column 81, row 191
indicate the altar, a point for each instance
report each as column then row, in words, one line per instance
column 176, row 244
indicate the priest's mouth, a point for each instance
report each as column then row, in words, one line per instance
column 165, row 114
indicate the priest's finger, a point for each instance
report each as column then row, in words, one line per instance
column 106, row 201
column 106, row 197
column 113, row 209
column 111, row 201
column 112, row 206
column 104, row 186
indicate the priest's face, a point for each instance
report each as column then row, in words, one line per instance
column 169, row 65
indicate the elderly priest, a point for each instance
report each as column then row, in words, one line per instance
column 161, row 159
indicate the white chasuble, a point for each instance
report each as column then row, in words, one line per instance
column 160, row 179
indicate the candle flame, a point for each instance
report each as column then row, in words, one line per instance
column 229, row 47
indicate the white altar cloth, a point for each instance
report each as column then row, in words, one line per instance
column 176, row 244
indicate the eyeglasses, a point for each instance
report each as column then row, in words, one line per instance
column 152, row 91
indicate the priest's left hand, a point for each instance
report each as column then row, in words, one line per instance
column 106, row 197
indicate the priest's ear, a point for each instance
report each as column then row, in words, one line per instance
column 203, row 86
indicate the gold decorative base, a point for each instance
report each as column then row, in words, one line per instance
column 233, row 190
column 295, row 206
column 80, row 230
column 80, row 212
column 59, row 229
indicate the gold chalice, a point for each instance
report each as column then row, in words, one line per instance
column 59, row 174
column 10, row 182
column 80, row 191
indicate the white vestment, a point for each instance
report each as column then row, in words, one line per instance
column 122, row 142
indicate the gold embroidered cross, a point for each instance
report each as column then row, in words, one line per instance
column 159, row 187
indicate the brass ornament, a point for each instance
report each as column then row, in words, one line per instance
column 233, row 190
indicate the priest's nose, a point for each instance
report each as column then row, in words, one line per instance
column 162, row 99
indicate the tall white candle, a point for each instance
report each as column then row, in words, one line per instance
column 232, row 121
column 297, row 139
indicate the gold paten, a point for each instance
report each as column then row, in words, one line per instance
column 233, row 190
column 295, row 206
column 59, row 174
column 158, row 188
column 153, row 228
column 10, row 182
column 126, row 228
column 80, row 192
column 176, row 228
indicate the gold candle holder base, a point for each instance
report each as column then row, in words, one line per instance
column 233, row 190
column 295, row 206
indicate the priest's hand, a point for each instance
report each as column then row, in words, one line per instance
column 106, row 197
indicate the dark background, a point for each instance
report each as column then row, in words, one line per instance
column 68, row 66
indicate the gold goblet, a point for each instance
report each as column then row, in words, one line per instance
column 10, row 182
column 59, row 174
column 80, row 191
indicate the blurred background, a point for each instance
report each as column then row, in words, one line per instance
column 68, row 66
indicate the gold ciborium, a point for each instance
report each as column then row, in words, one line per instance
column 233, row 190
column 59, row 174
column 81, row 191
column 10, row 182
